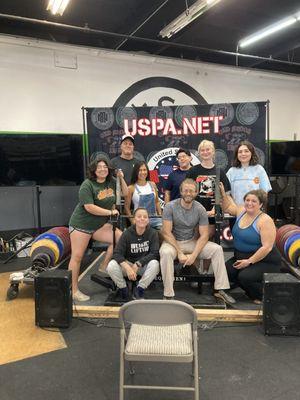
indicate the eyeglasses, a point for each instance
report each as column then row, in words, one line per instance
column 188, row 191
column 183, row 157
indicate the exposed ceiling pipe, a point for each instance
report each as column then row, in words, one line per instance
column 275, row 53
column 86, row 29
column 142, row 24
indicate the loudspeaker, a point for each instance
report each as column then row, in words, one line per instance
column 281, row 305
column 53, row 299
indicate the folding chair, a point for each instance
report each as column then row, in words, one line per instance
column 161, row 331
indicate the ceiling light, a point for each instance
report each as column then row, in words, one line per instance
column 284, row 23
column 191, row 13
column 57, row 6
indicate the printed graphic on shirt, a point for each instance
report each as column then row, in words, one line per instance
column 104, row 194
column 136, row 248
column 206, row 186
column 256, row 180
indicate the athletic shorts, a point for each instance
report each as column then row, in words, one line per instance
column 89, row 232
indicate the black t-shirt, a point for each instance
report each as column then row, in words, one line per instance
column 206, row 177
column 125, row 165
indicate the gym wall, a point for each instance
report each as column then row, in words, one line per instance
column 44, row 85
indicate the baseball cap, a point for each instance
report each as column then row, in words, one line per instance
column 126, row 136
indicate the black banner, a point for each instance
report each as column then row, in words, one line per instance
column 160, row 131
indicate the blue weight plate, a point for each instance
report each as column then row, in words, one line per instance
column 54, row 238
column 289, row 241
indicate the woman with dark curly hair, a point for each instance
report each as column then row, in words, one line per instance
column 246, row 173
column 90, row 219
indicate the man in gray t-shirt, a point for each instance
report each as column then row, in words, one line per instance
column 185, row 220
column 185, row 232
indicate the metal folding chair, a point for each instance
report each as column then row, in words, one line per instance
column 161, row 331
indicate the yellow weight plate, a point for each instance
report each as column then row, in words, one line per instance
column 47, row 243
column 294, row 247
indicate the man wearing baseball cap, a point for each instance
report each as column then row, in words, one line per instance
column 125, row 161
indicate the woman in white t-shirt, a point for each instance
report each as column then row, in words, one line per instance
column 143, row 193
column 246, row 173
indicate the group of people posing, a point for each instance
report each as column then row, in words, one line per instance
column 184, row 230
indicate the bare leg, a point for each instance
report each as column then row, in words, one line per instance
column 79, row 243
column 105, row 234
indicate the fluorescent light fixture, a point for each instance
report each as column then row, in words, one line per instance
column 191, row 13
column 278, row 26
column 57, row 6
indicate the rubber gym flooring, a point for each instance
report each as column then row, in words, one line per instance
column 236, row 361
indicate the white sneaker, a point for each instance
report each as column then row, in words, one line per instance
column 79, row 296
column 199, row 267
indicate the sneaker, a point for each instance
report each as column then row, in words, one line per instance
column 222, row 294
column 138, row 293
column 79, row 296
column 168, row 297
column 199, row 267
column 124, row 293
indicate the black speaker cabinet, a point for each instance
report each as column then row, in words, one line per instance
column 281, row 305
column 53, row 299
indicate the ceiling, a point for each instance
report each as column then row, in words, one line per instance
column 134, row 25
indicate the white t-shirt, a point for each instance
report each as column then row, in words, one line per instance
column 242, row 180
column 145, row 189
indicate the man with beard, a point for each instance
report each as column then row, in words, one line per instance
column 185, row 232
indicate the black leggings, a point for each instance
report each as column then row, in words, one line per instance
column 251, row 278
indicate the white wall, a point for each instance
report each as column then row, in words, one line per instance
column 39, row 96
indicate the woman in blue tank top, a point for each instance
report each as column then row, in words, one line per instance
column 254, row 236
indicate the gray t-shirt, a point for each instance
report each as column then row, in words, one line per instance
column 125, row 165
column 185, row 221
